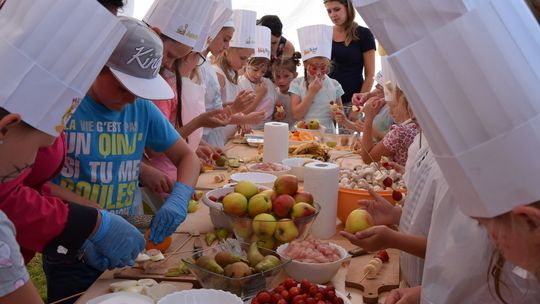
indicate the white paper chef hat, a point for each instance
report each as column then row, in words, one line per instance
column 222, row 17
column 202, row 42
column 315, row 41
column 50, row 53
column 263, row 42
column 398, row 23
column 182, row 21
column 244, row 29
column 474, row 87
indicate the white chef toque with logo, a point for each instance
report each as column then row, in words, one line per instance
column 315, row 41
column 244, row 29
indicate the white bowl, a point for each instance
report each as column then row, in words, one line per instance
column 199, row 296
column 297, row 165
column 318, row 273
column 259, row 178
column 120, row 298
column 285, row 169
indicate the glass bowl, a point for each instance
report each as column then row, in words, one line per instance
column 243, row 228
column 245, row 287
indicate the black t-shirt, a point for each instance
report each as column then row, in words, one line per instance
column 348, row 62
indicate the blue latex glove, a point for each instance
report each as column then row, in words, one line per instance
column 93, row 258
column 117, row 240
column 172, row 213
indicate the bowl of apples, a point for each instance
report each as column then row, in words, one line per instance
column 312, row 126
column 273, row 216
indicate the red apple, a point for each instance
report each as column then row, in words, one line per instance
column 300, row 210
column 282, row 205
column 303, row 197
column 286, row 184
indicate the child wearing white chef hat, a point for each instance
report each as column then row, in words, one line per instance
column 253, row 79
column 117, row 124
column 482, row 126
column 312, row 96
column 228, row 66
column 49, row 62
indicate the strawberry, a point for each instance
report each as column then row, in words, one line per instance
column 388, row 181
column 383, row 255
column 215, row 156
column 396, row 195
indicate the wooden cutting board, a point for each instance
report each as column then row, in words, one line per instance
column 207, row 180
column 181, row 247
column 386, row 280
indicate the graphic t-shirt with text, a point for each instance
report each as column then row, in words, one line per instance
column 105, row 148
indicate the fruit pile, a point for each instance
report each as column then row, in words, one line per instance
column 235, row 266
column 290, row 291
column 272, row 216
column 311, row 149
column 301, row 136
column 312, row 124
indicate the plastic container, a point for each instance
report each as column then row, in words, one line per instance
column 259, row 178
column 348, row 200
column 297, row 165
column 318, row 273
column 245, row 287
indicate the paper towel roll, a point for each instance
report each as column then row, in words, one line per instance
column 276, row 142
column 321, row 180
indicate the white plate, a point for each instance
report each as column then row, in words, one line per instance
column 121, row 298
column 201, row 296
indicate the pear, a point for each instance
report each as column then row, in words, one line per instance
column 210, row 237
column 237, row 270
column 222, row 234
column 224, row 258
column 254, row 255
column 209, row 264
column 267, row 263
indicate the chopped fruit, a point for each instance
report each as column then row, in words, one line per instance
column 396, row 195
column 383, row 255
column 212, row 198
column 388, row 181
column 355, row 108
column 163, row 246
column 280, row 109
column 215, row 156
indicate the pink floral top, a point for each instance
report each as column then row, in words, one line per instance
column 398, row 140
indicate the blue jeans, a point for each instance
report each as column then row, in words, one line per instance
column 66, row 277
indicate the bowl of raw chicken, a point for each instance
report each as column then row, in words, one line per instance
column 314, row 259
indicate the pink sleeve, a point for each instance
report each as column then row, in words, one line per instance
column 391, row 139
column 166, row 107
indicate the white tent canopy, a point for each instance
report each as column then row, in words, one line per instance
column 293, row 13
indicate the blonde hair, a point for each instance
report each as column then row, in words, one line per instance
column 350, row 24
column 223, row 62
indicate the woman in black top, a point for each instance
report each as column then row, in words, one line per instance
column 353, row 50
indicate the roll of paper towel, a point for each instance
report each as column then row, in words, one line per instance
column 276, row 142
column 321, row 180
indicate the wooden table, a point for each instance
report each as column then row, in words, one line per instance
column 200, row 220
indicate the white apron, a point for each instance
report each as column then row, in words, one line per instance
column 192, row 106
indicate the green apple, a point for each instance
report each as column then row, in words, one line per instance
column 235, row 203
column 358, row 220
column 266, row 242
column 286, row 230
column 246, row 188
column 270, row 193
column 259, row 203
column 313, row 124
column 242, row 229
column 300, row 210
column 264, row 225
column 192, row 206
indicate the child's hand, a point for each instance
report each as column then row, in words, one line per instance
column 373, row 106
column 214, row 118
column 339, row 116
column 373, row 238
column 315, row 85
column 404, row 296
column 358, row 99
column 242, row 101
column 261, row 89
column 253, row 118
